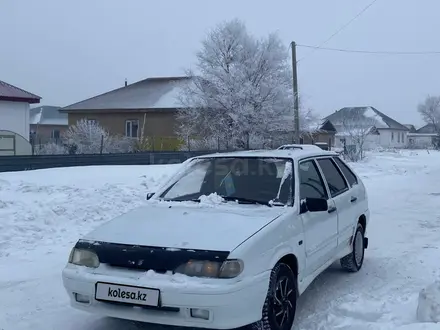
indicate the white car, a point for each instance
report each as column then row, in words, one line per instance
column 230, row 240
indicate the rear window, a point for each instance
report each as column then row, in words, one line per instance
column 352, row 180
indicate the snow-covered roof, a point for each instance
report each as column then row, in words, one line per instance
column 293, row 154
column 47, row 115
column 371, row 114
column 150, row 93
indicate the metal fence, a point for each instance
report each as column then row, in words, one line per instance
column 23, row 163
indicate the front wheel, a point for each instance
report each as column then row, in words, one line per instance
column 280, row 304
column 353, row 262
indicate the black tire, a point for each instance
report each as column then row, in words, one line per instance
column 350, row 263
column 280, row 300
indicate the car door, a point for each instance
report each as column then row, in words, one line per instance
column 346, row 225
column 339, row 192
column 320, row 228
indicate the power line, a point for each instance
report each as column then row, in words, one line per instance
column 343, row 27
column 371, row 51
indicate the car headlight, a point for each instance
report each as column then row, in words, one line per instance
column 212, row 269
column 84, row 258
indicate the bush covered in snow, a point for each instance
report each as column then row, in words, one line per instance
column 242, row 89
column 87, row 137
column 50, row 148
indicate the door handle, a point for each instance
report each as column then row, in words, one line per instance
column 353, row 199
column 332, row 209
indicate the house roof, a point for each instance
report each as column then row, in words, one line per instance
column 47, row 115
column 11, row 93
column 369, row 113
column 411, row 127
column 427, row 129
column 150, row 93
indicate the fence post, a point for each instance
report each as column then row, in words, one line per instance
column 102, row 144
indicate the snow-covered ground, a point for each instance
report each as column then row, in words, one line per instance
column 42, row 213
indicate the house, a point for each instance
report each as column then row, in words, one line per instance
column 14, row 109
column 47, row 124
column 14, row 119
column 149, row 104
column 311, row 132
column 322, row 131
column 425, row 137
column 377, row 129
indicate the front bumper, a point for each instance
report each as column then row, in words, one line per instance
column 231, row 304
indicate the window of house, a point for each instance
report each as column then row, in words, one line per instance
column 398, row 137
column 392, row 136
column 311, row 184
column 403, row 137
column 55, row 134
column 131, row 128
column 335, row 180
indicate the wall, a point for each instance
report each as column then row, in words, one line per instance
column 14, row 116
column 389, row 138
column 44, row 132
column 371, row 141
column 161, row 124
column 420, row 140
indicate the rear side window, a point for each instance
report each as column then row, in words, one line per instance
column 335, row 180
column 352, row 180
column 310, row 181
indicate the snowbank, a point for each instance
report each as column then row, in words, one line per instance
column 53, row 207
column 428, row 309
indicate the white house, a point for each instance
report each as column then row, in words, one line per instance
column 14, row 119
column 14, row 109
column 424, row 137
column 374, row 127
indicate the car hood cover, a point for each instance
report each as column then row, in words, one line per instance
column 187, row 225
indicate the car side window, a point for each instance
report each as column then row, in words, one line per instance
column 335, row 180
column 311, row 184
column 352, row 179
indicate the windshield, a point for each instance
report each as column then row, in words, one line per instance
column 242, row 179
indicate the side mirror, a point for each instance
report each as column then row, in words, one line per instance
column 149, row 195
column 314, row 205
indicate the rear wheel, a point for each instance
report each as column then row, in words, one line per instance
column 280, row 305
column 353, row 262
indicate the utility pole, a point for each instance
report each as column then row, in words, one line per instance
column 295, row 92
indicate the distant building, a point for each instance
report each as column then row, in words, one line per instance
column 47, row 124
column 380, row 130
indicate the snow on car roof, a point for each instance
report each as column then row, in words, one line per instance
column 298, row 146
column 294, row 154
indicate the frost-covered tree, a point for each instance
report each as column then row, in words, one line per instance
column 87, row 137
column 356, row 129
column 430, row 111
column 240, row 89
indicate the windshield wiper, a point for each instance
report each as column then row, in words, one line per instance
column 245, row 200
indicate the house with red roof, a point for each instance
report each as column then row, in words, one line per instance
column 14, row 118
column 14, row 109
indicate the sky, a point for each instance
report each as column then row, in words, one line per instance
column 67, row 51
